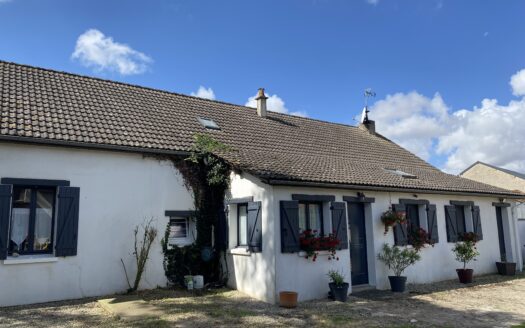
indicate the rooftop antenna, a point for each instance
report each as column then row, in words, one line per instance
column 368, row 93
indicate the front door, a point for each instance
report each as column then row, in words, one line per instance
column 358, row 253
column 501, row 236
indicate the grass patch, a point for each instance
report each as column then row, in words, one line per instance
column 521, row 325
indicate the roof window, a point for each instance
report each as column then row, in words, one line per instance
column 208, row 123
column 401, row 173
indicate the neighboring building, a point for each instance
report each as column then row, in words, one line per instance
column 84, row 160
column 507, row 179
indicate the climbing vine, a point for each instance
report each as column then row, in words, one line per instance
column 208, row 177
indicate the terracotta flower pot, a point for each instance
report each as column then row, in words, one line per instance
column 288, row 299
column 465, row 275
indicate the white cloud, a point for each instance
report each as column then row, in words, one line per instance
column 94, row 49
column 486, row 34
column 372, row 2
column 491, row 133
column 517, row 82
column 206, row 93
column 275, row 103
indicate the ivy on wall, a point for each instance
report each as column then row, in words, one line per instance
column 208, row 177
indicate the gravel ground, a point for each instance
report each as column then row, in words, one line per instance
column 492, row 301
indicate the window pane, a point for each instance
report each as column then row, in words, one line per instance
column 302, row 217
column 460, row 219
column 315, row 217
column 413, row 216
column 243, row 225
column 43, row 219
column 178, row 228
column 20, row 219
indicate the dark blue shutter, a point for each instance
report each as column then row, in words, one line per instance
column 67, row 221
column 432, row 223
column 290, row 226
column 254, row 227
column 339, row 224
column 5, row 211
column 400, row 230
column 476, row 222
column 451, row 221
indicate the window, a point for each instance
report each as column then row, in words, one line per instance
column 242, row 225
column 32, row 220
column 179, row 228
column 311, row 217
column 460, row 220
column 413, row 219
column 401, row 173
column 208, row 123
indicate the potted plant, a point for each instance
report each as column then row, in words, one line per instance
column 338, row 286
column 390, row 218
column 506, row 268
column 398, row 259
column 466, row 251
column 419, row 238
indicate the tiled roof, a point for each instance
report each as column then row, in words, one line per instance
column 48, row 106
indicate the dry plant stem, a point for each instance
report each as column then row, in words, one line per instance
column 142, row 249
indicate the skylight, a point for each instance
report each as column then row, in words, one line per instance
column 208, row 123
column 402, row 173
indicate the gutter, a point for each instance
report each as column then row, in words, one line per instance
column 277, row 182
column 85, row 145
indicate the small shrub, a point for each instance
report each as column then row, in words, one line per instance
column 398, row 259
column 335, row 277
column 465, row 252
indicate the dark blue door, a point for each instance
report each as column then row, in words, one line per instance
column 501, row 236
column 358, row 260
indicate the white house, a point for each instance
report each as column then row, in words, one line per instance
column 83, row 161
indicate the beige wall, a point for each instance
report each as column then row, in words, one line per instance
column 493, row 177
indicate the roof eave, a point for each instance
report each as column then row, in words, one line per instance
column 93, row 146
column 278, row 182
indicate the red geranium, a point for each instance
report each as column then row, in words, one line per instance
column 312, row 244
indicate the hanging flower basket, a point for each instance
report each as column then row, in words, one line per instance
column 390, row 218
column 312, row 244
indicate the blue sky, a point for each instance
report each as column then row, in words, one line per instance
column 314, row 56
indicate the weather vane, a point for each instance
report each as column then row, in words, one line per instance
column 368, row 93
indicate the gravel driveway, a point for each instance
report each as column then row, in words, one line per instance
column 492, row 301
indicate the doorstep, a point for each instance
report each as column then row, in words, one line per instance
column 362, row 288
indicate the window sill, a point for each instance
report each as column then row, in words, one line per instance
column 27, row 259
column 243, row 251
column 319, row 253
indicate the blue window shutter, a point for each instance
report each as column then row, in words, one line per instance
column 254, row 227
column 290, row 226
column 5, row 215
column 476, row 222
column 452, row 222
column 67, row 221
column 339, row 224
column 432, row 224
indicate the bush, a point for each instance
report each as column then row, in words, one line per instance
column 398, row 259
column 465, row 252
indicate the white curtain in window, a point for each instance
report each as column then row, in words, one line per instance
column 43, row 225
column 19, row 225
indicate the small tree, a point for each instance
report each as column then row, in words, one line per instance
column 465, row 252
column 142, row 247
column 398, row 259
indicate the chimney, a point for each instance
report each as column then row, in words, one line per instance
column 261, row 103
column 369, row 126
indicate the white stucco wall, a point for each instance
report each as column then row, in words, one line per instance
column 438, row 262
column 252, row 273
column 117, row 192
